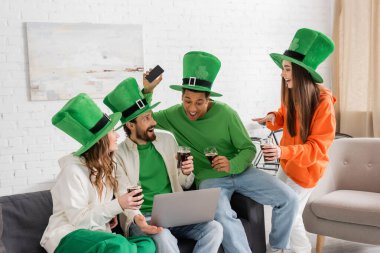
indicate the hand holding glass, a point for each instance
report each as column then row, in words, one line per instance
column 264, row 144
column 210, row 153
column 134, row 188
column 182, row 154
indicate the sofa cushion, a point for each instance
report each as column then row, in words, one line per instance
column 25, row 217
column 357, row 207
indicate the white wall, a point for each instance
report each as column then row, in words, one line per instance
column 241, row 33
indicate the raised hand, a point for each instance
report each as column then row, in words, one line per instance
column 149, row 87
column 269, row 118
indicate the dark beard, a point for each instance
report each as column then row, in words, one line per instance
column 144, row 135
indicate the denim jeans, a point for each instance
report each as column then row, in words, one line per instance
column 264, row 189
column 208, row 235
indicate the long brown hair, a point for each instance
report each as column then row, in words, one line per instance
column 99, row 162
column 301, row 101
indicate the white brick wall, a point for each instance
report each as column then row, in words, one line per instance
column 241, row 33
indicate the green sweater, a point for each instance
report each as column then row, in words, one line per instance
column 220, row 127
column 154, row 178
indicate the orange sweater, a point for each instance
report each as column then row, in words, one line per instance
column 306, row 162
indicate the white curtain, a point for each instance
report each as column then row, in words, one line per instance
column 356, row 75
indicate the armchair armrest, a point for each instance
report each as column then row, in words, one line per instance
column 326, row 184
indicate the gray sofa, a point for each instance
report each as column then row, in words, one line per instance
column 23, row 218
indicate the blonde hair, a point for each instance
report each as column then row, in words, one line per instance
column 99, row 161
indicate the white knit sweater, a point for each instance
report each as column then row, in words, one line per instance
column 76, row 204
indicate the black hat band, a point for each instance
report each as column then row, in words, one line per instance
column 139, row 104
column 294, row 54
column 100, row 124
column 192, row 81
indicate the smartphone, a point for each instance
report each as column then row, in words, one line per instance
column 154, row 73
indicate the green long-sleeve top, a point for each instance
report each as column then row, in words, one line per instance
column 220, row 127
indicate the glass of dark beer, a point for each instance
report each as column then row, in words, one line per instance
column 133, row 188
column 182, row 154
column 266, row 143
column 210, row 153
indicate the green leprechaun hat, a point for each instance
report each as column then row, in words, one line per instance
column 308, row 49
column 199, row 72
column 82, row 119
column 127, row 99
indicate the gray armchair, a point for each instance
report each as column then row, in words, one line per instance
column 346, row 202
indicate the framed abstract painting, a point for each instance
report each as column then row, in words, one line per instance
column 66, row 59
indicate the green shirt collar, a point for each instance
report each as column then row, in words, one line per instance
column 144, row 146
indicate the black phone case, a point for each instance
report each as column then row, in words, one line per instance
column 154, row 73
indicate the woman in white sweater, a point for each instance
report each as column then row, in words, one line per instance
column 85, row 198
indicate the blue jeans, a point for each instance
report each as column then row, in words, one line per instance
column 208, row 235
column 264, row 189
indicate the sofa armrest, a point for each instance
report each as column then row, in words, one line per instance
column 253, row 212
column 25, row 217
column 244, row 206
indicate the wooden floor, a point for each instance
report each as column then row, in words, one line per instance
column 332, row 245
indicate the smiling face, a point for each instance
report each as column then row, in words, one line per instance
column 195, row 104
column 142, row 129
column 287, row 73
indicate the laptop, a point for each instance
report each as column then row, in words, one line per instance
column 184, row 208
